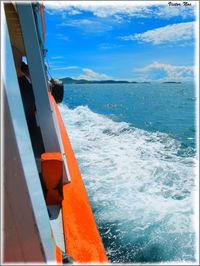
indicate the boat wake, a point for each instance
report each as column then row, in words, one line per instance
column 140, row 186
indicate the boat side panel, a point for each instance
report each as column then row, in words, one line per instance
column 24, row 210
column 83, row 241
column 20, row 232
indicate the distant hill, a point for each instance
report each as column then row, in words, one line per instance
column 68, row 80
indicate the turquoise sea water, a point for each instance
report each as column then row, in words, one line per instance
column 135, row 144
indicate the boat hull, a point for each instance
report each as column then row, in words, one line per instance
column 82, row 239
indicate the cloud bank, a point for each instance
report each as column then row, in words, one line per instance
column 89, row 74
column 181, row 32
column 165, row 72
column 105, row 9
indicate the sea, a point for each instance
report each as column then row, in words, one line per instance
column 136, row 149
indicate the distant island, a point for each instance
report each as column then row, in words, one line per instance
column 176, row 82
column 68, row 80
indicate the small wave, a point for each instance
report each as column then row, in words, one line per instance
column 139, row 187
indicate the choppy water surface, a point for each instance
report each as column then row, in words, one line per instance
column 136, row 152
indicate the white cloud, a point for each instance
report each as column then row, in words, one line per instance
column 87, row 25
column 113, row 9
column 175, row 11
column 100, row 9
column 181, row 32
column 57, row 57
column 119, row 11
column 74, row 11
column 165, row 72
column 89, row 74
column 135, row 8
column 66, row 67
column 85, row 73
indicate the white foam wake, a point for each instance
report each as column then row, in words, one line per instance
column 131, row 174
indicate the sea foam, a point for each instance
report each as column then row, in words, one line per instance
column 140, row 188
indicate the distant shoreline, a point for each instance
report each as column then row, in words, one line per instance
column 69, row 80
column 84, row 81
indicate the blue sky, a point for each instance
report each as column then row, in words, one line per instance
column 134, row 41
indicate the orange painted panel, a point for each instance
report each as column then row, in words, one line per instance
column 52, row 171
column 83, row 242
column 58, row 255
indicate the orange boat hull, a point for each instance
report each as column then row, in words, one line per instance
column 82, row 239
